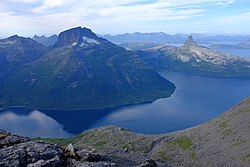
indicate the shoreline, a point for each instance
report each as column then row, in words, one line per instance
column 90, row 109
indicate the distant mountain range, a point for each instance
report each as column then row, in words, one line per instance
column 80, row 71
column 242, row 45
column 139, row 45
column 46, row 41
column 208, row 39
column 195, row 59
column 161, row 37
column 145, row 37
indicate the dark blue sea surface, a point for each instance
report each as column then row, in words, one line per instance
column 233, row 51
column 197, row 99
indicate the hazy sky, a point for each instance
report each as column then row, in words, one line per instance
column 29, row 17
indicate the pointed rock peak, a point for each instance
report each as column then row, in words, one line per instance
column 36, row 36
column 190, row 42
column 76, row 36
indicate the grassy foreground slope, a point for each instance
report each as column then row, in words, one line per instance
column 224, row 141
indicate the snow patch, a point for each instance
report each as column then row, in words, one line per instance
column 7, row 43
column 86, row 42
column 185, row 59
column 90, row 40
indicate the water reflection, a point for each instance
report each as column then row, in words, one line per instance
column 33, row 124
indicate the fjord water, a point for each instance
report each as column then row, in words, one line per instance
column 238, row 52
column 197, row 99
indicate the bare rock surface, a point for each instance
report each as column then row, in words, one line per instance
column 17, row 151
column 30, row 153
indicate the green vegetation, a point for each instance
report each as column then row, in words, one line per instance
column 246, row 157
column 100, row 144
column 222, row 125
column 62, row 142
column 127, row 146
column 2, row 135
column 134, row 146
column 227, row 133
column 238, row 143
column 245, row 110
column 163, row 155
column 184, row 143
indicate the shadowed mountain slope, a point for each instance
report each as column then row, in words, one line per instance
column 16, row 52
column 83, row 71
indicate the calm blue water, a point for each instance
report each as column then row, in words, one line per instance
column 238, row 52
column 197, row 99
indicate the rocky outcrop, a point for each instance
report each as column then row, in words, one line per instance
column 190, row 42
column 20, row 151
column 148, row 163
column 194, row 59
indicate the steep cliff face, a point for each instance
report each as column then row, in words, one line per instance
column 190, row 42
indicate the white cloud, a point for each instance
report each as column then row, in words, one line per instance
column 22, row 1
column 104, row 16
column 48, row 4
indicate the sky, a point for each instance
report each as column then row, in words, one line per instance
column 47, row 17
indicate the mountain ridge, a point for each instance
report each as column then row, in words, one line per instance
column 46, row 41
column 195, row 59
column 15, row 52
column 71, row 76
column 161, row 37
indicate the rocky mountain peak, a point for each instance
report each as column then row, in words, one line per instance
column 16, row 40
column 14, row 37
column 13, row 40
column 190, row 41
column 76, row 36
column 36, row 36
